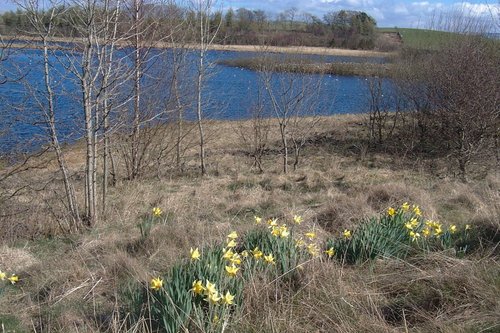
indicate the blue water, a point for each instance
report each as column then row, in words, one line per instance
column 231, row 92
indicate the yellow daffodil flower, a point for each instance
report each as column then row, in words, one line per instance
column 347, row 234
column 2, row 276
column 227, row 299
column 426, row 232
column 438, row 231
column 213, row 298
column 244, row 254
column 414, row 235
column 330, row 252
column 269, row 259
column 231, row 244
column 313, row 249
column 299, row 242
column 228, row 254
column 198, row 288
column 405, row 207
column 276, row 232
column 235, row 259
column 416, row 210
column 414, row 222
column 452, row 228
column 257, row 254
column 272, row 222
column 409, row 225
column 232, row 270
column 391, row 211
column 232, row 235
column 284, row 233
column 13, row 279
column 467, row 227
column 210, row 288
column 311, row 235
column 156, row 283
column 157, row 212
column 258, row 220
column 297, row 219
column 195, row 254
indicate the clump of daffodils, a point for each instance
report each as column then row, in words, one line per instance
column 211, row 293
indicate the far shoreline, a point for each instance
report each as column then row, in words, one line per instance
column 306, row 50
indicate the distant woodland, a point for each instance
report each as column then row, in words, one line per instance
column 343, row 28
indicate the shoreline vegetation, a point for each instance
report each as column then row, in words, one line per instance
column 305, row 50
column 305, row 67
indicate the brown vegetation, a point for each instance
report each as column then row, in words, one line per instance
column 76, row 282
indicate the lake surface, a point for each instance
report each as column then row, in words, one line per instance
column 231, row 91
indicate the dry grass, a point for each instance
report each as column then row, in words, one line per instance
column 75, row 282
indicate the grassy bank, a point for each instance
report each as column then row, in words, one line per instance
column 83, row 282
column 422, row 39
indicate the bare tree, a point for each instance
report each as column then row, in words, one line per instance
column 42, row 24
column 293, row 100
column 254, row 134
column 205, row 38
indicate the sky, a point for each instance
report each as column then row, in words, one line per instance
column 388, row 13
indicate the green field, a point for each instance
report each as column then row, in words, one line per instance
column 421, row 38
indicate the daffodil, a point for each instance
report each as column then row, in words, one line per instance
column 409, row 225
column 156, row 283
column 438, row 231
column 213, row 298
column 313, row 249
column 195, row 254
column 258, row 220
column 299, row 242
column 244, row 254
column 235, row 259
column 272, row 223
column 232, row 270
column 311, row 235
column 414, row 222
column 284, row 233
column 391, row 211
column 257, row 254
column 157, row 212
column 452, row 228
column 297, row 219
column 227, row 299
column 405, row 207
column 347, row 234
column 232, row 243
column 426, row 232
column 232, row 235
column 14, row 279
column 275, row 231
column 269, row 259
column 228, row 254
column 467, row 227
column 330, row 252
column 414, row 235
column 416, row 210
column 210, row 288
column 198, row 288
column 2, row 276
